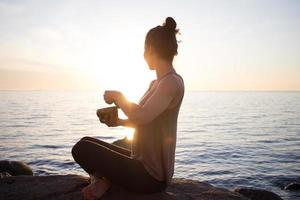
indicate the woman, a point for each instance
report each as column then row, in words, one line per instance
column 149, row 166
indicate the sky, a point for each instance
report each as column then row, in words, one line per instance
column 98, row 45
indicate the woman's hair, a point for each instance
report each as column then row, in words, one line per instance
column 163, row 39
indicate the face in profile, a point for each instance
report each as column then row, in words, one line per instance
column 148, row 56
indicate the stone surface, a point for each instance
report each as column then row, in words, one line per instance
column 15, row 168
column 180, row 189
column 69, row 187
column 4, row 174
column 42, row 187
column 257, row 194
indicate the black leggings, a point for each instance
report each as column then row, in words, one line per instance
column 104, row 159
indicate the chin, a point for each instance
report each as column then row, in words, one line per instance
column 151, row 68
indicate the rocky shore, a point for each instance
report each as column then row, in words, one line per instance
column 17, row 182
column 70, row 186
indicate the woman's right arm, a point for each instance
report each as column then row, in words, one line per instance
column 159, row 101
column 126, row 123
column 119, row 122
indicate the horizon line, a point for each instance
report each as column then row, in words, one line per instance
column 189, row 90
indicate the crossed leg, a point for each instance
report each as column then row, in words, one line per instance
column 108, row 162
column 100, row 184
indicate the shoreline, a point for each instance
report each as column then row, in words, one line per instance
column 69, row 187
column 189, row 186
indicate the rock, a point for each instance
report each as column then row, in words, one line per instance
column 179, row 189
column 70, row 186
column 292, row 186
column 15, row 168
column 257, row 194
column 4, row 174
column 42, row 187
column 125, row 143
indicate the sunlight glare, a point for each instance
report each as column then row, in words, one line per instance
column 119, row 64
column 129, row 132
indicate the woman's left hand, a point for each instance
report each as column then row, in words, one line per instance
column 110, row 96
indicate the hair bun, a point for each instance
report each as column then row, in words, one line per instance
column 170, row 24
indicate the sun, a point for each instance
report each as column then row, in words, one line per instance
column 119, row 64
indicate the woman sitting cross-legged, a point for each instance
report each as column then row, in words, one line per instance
column 149, row 166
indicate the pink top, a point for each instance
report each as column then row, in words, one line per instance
column 154, row 143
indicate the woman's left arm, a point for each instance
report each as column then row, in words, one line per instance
column 155, row 105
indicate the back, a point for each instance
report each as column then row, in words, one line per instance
column 154, row 143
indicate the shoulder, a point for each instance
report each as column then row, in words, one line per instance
column 152, row 82
column 174, row 80
column 169, row 85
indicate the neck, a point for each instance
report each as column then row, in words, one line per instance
column 163, row 68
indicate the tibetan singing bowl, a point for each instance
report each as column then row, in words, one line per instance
column 107, row 113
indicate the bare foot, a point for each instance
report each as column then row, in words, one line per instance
column 96, row 189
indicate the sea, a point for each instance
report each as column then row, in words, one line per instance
column 228, row 139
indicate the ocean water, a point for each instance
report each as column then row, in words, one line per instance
column 228, row 139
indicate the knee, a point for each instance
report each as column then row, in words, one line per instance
column 77, row 146
column 75, row 150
